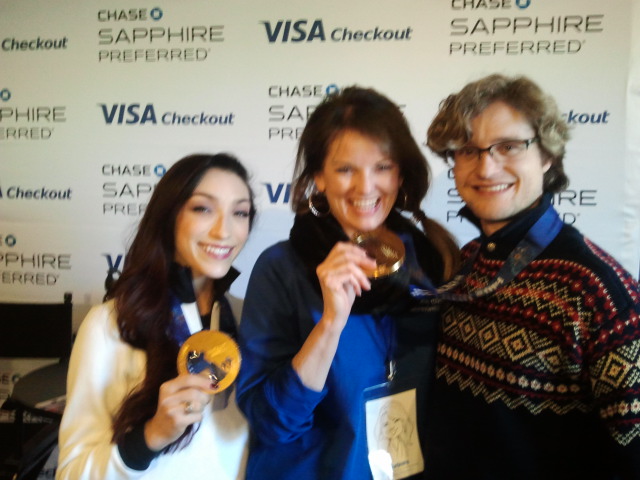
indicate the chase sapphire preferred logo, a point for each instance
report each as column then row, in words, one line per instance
column 28, row 122
column 569, row 203
column 290, row 108
column 139, row 35
column 483, row 28
column 126, row 188
column 8, row 240
column 39, row 269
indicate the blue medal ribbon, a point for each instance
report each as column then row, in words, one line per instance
column 179, row 330
column 539, row 236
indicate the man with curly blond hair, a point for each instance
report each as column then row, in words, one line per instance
column 538, row 367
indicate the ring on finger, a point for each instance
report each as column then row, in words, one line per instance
column 188, row 408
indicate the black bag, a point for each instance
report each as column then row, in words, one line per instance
column 36, row 451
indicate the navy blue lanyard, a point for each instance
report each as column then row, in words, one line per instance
column 539, row 236
column 179, row 330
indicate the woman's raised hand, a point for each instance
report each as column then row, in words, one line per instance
column 342, row 277
column 181, row 402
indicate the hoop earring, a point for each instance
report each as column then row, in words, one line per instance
column 315, row 211
column 405, row 200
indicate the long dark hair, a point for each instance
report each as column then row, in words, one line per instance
column 142, row 292
column 373, row 115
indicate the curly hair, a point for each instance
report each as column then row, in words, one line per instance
column 450, row 128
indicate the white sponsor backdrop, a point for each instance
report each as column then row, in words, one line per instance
column 97, row 99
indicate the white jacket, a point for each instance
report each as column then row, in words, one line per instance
column 103, row 370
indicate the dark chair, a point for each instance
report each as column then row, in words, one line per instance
column 37, row 330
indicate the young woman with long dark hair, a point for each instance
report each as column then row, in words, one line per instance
column 129, row 414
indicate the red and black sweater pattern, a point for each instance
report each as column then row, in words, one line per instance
column 562, row 337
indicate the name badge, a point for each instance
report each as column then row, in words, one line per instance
column 392, row 433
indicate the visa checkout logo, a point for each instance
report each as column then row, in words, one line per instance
column 294, row 31
column 16, row 192
column 141, row 114
column 114, row 262
column 34, row 44
column 278, row 193
column 304, row 30
column 574, row 117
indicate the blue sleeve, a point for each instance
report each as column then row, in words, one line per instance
column 275, row 323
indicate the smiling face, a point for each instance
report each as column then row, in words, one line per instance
column 360, row 180
column 393, row 426
column 213, row 225
column 497, row 189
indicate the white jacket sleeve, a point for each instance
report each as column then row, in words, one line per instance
column 102, row 371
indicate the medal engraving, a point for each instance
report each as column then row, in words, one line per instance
column 213, row 354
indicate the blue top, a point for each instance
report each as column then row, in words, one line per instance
column 298, row 432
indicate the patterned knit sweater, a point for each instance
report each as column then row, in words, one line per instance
column 541, row 378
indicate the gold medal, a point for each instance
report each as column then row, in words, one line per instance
column 385, row 247
column 213, row 354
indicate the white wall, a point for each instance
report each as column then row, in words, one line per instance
column 84, row 95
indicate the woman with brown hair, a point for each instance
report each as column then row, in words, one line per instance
column 129, row 414
column 323, row 327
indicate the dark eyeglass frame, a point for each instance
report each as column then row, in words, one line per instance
column 451, row 154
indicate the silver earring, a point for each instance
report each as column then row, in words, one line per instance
column 405, row 200
column 315, row 211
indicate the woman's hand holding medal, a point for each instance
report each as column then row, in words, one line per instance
column 350, row 267
column 347, row 271
column 181, row 402
column 342, row 276
column 208, row 363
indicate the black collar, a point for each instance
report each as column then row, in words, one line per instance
column 519, row 224
column 181, row 281
column 312, row 239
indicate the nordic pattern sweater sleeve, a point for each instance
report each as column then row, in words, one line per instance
column 613, row 356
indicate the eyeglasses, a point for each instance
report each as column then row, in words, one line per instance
column 499, row 151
